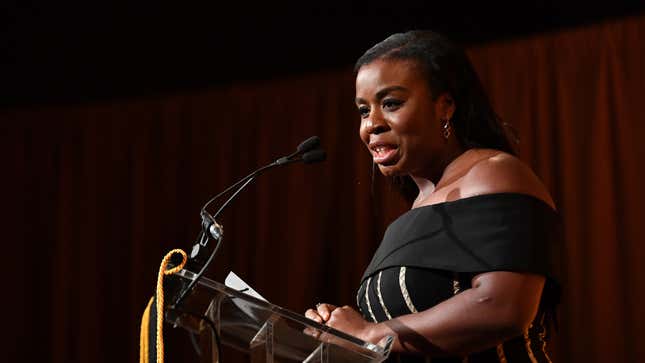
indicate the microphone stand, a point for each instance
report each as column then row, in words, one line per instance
column 308, row 152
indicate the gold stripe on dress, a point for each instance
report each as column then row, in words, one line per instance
column 380, row 297
column 456, row 287
column 542, row 336
column 367, row 299
column 358, row 303
column 527, row 343
column 404, row 291
column 500, row 353
column 358, row 299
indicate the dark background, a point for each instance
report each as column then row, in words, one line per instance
column 55, row 52
column 119, row 121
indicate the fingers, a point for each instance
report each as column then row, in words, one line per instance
column 325, row 310
column 338, row 313
column 321, row 314
column 313, row 315
column 312, row 332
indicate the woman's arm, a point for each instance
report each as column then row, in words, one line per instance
column 499, row 306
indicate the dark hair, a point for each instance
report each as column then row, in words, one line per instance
column 447, row 69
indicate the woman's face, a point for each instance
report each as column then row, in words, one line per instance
column 400, row 123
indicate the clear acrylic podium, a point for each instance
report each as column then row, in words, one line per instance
column 266, row 332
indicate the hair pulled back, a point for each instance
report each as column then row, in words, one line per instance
column 447, row 70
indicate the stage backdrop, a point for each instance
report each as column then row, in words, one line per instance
column 96, row 194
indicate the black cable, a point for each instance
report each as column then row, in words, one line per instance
column 219, row 241
column 253, row 174
column 280, row 162
column 195, row 344
column 192, row 283
column 248, row 179
column 211, row 324
column 307, row 156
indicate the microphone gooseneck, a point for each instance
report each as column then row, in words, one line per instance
column 307, row 152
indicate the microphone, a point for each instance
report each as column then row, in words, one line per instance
column 315, row 156
column 303, row 150
column 308, row 145
column 307, row 152
column 305, row 146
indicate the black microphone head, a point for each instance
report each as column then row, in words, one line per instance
column 309, row 144
column 314, row 156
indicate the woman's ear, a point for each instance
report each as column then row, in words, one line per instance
column 445, row 106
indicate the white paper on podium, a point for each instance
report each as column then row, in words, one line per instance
column 235, row 282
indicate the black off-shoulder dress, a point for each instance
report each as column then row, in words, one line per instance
column 432, row 252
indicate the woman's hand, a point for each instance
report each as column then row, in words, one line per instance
column 343, row 318
column 351, row 322
column 321, row 313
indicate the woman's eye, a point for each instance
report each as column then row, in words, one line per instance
column 391, row 104
column 364, row 111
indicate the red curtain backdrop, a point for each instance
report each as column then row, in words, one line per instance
column 96, row 194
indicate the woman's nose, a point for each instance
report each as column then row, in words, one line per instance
column 375, row 125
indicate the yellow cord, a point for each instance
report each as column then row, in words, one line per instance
column 144, row 349
column 145, row 325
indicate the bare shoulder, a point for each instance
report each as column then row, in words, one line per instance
column 500, row 172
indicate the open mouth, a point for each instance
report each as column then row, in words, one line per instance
column 384, row 154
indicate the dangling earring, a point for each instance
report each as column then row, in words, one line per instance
column 446, row 128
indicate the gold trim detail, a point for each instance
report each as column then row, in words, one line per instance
column 358, row 299
column 404, row 291
column 542, row 335
column 380, row 297
column 367, row 299
column 527, row 343
column 456, row 287
column 500, row 353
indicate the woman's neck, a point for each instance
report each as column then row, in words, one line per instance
column 448, row 173
column 426, row 187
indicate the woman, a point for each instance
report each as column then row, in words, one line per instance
column 463, row 275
